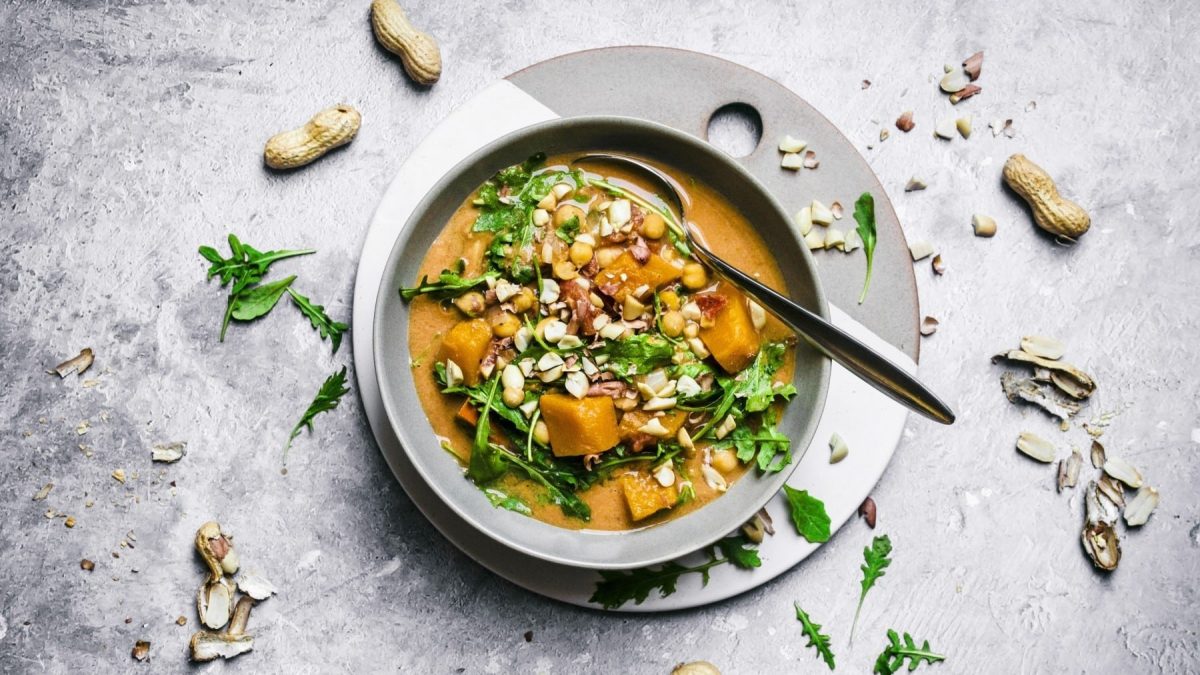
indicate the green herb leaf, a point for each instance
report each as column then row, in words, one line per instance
column 257, row 301
column 891, row 660
column 245, row 267
column 637, row 355
column 864, row 213
column 877, row 560
column 328, row 397
column 320, row 320
column 569, row 230
column 757, row 382
column 450, row 284
column 808, row 515
column 815, row 638
column 501, row 500
column 763, row 447
column 617, row 588
column 486, row 463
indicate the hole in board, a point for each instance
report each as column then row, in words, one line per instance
column 735, row 128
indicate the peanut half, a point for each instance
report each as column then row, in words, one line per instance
column 331, row 128
column 1051, row 211
column 417, row 51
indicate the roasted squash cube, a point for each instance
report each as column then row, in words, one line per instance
column 731, row 337
column 629, row 275
column 636, row 419
column 466, row 344
column 645, row 496
column 579, row 426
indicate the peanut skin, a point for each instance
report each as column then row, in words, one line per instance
column 1051, row 211
column 417, row 51
column 328, row 129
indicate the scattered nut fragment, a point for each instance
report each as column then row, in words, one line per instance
column 939, row 267
column 216, row 548
column 257, row 586
column 141, row 650
column 804, row 220
column 1081, row 385
column 810, row 160
column 867, row 511
column 883, row 135
column 836, row 209
column 418, row 51
column 821, row 215
column 1068, row 470
column 1102, row 546
column 1031, row 106
column 119, row 475
column 945, row 128
column 1051, row 211
column 1098, row 506
column 866, row 83
column 815, row 239
column 920, row 250
column 331, row 128
column 181, row 621
column 1123, row 471
column 1138, row 510
column 698, row 667
column 1112, row 489
column 76, row 364
column 1098, row 458
column 965, row 93
column 214, row 603
column 853, row 241
column 759, row 527
column 241, row 616
column 168, row 452
column 835, row 238
column 44, row 492
column 905, row 121
column 973, row 65
column 914, row 184
column 793, row 161
column 791, row 144
column 954, row 80
column 837, row 449
column 1002, row 127
column 69, row 522
column 1036, row 447
column 963, row 124
column 983, row 225
column 1045, row 347
column 206, row 646
column 87, row 565
column 929, row 326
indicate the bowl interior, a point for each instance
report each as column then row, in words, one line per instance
column 593, row 548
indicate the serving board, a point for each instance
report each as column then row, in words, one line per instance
column 887, row 320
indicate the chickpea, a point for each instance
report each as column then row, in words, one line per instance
column 541, row 433
column 653, row 227
column 505, row 324
column 724, row 461
column 691, row 330
column 694, row 276
column 565, row 270
column 605, row 256
column 513, row 396
column 540, row 329
column 669, row 299
column 523, row 301
column 581, row 253
column 470, row 303
column 566, row 212
column 672, row 323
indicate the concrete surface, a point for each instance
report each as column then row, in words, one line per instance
column 131, row 133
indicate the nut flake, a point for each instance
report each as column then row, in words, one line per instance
column 214, row 603
column 1123, row 471
column 792, row 161
column 206, row 646
column 810, row 160
column 837, row 449
column 905, row 121
column 255, row 586
column 168, row 452
column 76, row 364
column 868, row 512
column 973, row 65
column 929, row 326
column 984, row 226
column 1045, row 347
column 920, row 250
column 914, row 184
column 44, row 492
column 119, row 475
column 1030, row 391
column 945, row 128
column 939, row 267
column 1138, row 510
column 1102, row 546
column 791, row 144
column 965, row 93
column 1068, row 470
column 1097, row 455
column 954, row 80
column 1036, row 447
column 713, row 478
column 141, row 650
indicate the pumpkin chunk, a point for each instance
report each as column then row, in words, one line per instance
column 579, row 426
column 467, row 344
column 629, row 275
column 731, row 338
column 635, row 419
column 644, row 495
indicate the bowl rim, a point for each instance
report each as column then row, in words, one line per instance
column 392, row 405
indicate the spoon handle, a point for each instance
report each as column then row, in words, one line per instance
column 836, row 343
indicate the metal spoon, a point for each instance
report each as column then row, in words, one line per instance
column 832, row 341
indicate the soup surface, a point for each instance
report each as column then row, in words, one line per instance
column 577, row 361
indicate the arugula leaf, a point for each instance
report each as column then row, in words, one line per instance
column 891, row 660
column 564, row 496
column 864, row 213
column 486, row 463
column 762, row 446
column 518, row 174
column 569, row 230
column 618, row 587
column 450, row 284
column 257, row 301
column 328, row 397
column 637, row 355
column 757, row 384
column 245, row 267
column 319, row 319
column 502, row 500
column 808, row 515
column 877, row 560
column 815, row 639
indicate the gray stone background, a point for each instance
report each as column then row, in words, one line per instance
column 131, row 132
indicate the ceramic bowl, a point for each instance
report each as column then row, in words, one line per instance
column 593, row 548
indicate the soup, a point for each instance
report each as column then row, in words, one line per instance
column 577, row 360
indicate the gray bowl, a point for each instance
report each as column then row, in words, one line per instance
column 592, row 548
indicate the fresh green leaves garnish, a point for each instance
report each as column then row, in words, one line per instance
column 245, row 267
column 762, row 446
column 617, row 588
column 637, row 355
column 450, row 284
column 258, row 300
column 486, row 463
column 891, row 660
column 877, row 560
column 815, row 638
column 502, row 500
column 328, row 397
column 864, row 214
column 757, row 383
column 320, row 320
column 569, row 230
column 808, row 515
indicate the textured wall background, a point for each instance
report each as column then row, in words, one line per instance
column 130, row 132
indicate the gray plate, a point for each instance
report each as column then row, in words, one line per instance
column 590, row 548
